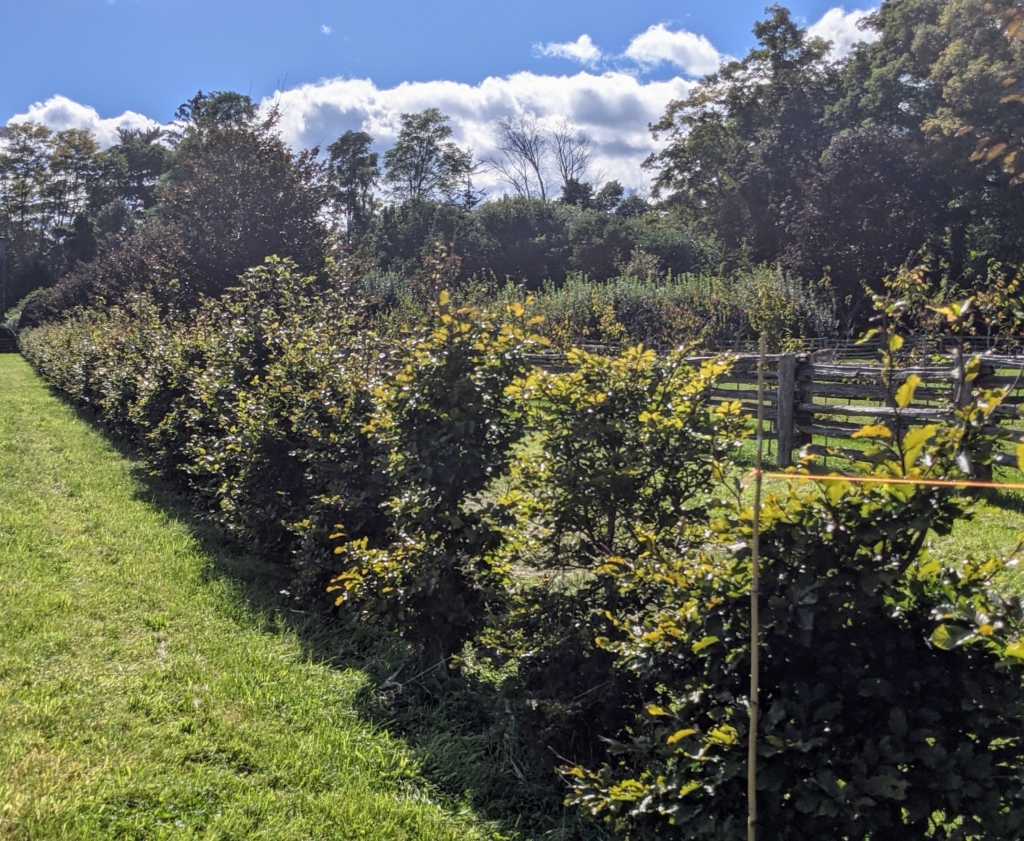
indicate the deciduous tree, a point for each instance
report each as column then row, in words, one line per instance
column 424, row 163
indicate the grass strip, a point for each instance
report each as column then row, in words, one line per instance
column 142, row 695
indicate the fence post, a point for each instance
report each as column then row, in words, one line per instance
column 785, row 404
column 961, row 388
column 962, row 396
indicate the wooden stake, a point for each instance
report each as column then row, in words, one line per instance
column 755, row 587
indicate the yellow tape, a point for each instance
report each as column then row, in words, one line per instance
column 894, row 480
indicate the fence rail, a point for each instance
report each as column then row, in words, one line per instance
column 812, row 395
column 805, row 398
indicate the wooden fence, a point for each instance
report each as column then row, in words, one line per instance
column 813, row 403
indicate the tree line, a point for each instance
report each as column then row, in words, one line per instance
column 836, row 171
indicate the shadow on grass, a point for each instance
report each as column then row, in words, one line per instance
column 1006, row 500
column 457, row 725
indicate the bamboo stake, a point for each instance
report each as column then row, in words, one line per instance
column 755, row 588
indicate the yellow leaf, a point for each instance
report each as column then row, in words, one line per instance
column 995, row 151
column 836, row 490
column 1015, row 649
column 918, row 435
column 905, row 393
column 876, row 430
column 725, row 734
column 679, row 735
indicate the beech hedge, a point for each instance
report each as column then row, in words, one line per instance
column 575, row 530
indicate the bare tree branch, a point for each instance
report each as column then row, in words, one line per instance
column 574, row 151
column 524, row 147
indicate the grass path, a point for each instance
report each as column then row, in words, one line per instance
column 141, row 696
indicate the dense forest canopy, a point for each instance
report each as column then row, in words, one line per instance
column 836, row 171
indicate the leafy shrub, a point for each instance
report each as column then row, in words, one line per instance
column 449, row 425
column 621, row 454
column 892, row 705
column 720, row 312
column 258, row 401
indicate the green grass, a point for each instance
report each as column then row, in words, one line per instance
column 142, row 694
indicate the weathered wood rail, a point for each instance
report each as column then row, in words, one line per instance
column 807, row 399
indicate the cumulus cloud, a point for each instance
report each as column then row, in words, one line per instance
column 59, row 112
column 840, row 27
column 612, row 108
column 582, row 50
column 693, row 54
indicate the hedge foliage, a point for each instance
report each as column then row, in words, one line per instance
column 575, row 530
column 257, row 401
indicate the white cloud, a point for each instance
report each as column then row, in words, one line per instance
column 59, row 112
column 582, row 50
column 327, row 30
column 612, row 108
column 694, row 54
column 840, row 27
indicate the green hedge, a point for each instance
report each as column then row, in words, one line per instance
column 574, row 530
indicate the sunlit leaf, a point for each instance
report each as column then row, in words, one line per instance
column 1015, row 649
column 874, row 430
column 905, row 393
column 725, row 734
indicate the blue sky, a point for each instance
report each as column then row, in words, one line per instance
column 610, row 67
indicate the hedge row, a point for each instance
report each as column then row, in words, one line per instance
column 580, row 530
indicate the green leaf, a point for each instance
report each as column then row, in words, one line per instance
column 948, row 637
column 905, row 393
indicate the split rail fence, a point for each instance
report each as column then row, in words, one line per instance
column 817, row 400
column 815, row 404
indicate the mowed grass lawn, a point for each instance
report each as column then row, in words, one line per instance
column 141, row 695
